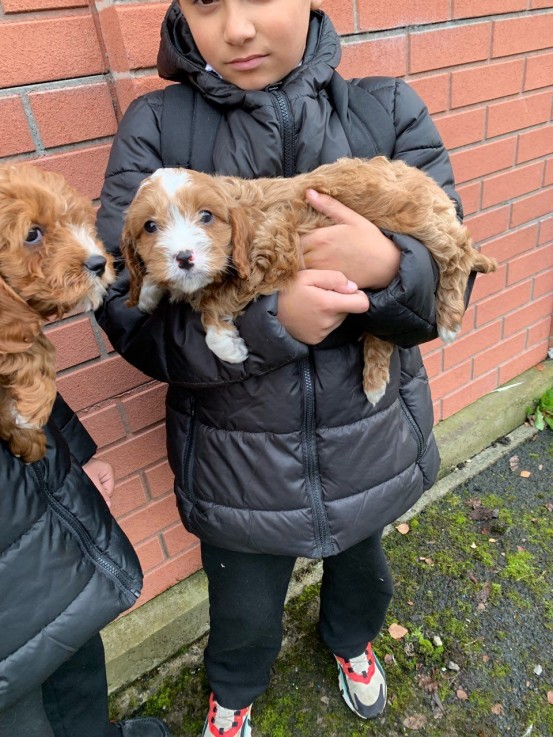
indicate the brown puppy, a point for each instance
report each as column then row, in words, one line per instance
column 220, row 242
column 51, row 261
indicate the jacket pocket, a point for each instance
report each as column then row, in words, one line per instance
column 415, row 429
column 188, row 459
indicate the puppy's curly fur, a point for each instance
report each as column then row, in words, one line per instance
column 220, row 242
column 50, row 262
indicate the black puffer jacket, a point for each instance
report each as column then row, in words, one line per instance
column 66, row 568
column 283, row 454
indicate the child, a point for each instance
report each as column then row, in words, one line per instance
column 66, row 570
column 282, row 456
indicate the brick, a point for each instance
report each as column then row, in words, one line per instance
column 513, row 244
column 433, row 363
column 24, row 6
column 128, row 495
column 178, row 539
column 483, row 83
column 64, row 116
column 488, row 284
column 148, row 83
column 449, row 47
column 104, row 425
column 169, row 573
column 470, row 197
column 488, row 224
column 484, row 159
column 450, row 380
column 539, row 333
column 546, row 231
column 74, row 342
column 83, row 168
column 505, row 187
column 542, row 285
column 137, row 452
column 341, row 14
column 460, row 399
column 504, row 117
column 530, row 264
column 498, row 354
column 15, row 134
column 548, row 176
column 62, row 48
column 380, row 14
column 522, row 34
column 529, row 358
column 146, row 407
column 533, row 144
column 150, row 554
column 160, row 479
column 472, row 8
column 149, row 520
column 112, row 38
column 539, row 71
column 508, row 301
column 433, row 90
column 532, row 207
column 460, row 129
column 534, row 4
column 535, row 312
column 477, row 341
column 99, row 381
column 137, row 23
column 385, row 56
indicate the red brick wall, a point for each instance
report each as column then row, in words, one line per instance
column 484, row 68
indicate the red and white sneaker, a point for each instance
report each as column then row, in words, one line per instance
column 363, row 684
column 223, row 722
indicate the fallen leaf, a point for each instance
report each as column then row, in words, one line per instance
column 514, row 462
column 453, row 666
column 389, row 659
column 428, row 561
column 415, row 721
column 550, row 697
column 486, row 658
column 325, row 700
column 483, row 513
column 525, row 474
column 403, row 528
column 497, row 709
column 461, row 694
column 538, row 670
column 397, row 631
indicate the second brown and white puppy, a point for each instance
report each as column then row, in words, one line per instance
column 219, row 242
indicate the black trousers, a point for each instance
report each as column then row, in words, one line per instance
column 246, row 602
column 73, row 702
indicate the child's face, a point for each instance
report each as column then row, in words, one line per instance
column 250, row 43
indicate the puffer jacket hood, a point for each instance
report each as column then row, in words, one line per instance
column 66, row 568
column 283, row 454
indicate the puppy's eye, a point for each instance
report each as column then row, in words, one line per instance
column 150, row 226
column 206, row 217
column 34, row 236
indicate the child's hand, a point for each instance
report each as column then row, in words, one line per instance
column 102, row 476
column 317, row 302
column 353, row 246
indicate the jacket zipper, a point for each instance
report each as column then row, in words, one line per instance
column 121, row 579
column 415, row 428
column 284, row 113
column 187, row 458
column 309, row 444
column 309, row 438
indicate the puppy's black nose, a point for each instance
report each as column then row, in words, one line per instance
column 96, row 264
column 185, row 259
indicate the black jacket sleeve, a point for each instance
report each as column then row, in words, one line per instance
column 80, row 443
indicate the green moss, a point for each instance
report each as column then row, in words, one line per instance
column 518, row 566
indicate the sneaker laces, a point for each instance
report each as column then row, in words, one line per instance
column 225, row 719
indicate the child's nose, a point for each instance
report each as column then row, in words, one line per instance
column 239, row 26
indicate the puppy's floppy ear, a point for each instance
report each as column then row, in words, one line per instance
column 242, row 236
column 135, row 265
column 19, row 324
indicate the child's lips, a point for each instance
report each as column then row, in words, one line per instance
column 248, row 62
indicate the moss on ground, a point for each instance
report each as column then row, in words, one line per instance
column 473, row 587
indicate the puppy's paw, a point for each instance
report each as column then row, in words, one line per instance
column 448, row 335
column 227, row 344
column 150, row 297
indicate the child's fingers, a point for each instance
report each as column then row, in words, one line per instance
column 330, row 207
column 328, row 279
